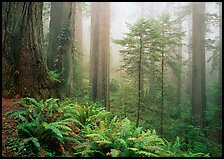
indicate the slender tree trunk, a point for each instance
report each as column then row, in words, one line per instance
column 220, row 52
column 178, row 95
column 178, row 92
column 198, row 61
column 23, row 69
column 152, row 81
column 139, row 81
column 162, row 93
column 142, row 5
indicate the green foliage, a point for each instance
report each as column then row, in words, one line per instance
column 194, row 139
column 21, row 147
column 54, row 76
column 84, row 111
column 79, row 127
column 65, row 34
column 123, row 101
column 42, row 125
column 140, row 40
column 121, row 139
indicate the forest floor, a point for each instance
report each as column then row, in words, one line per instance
column 8, row 126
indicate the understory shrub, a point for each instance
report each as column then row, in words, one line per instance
column 79, row 127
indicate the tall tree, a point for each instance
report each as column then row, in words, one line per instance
column 138, row 49
column 61, row 44
column 198, row 63
column 220, row 51
column 78, row 77
column 151, row 91
column 189, row 63
column 100, row 52
column 23, row 69
column 169, row 47
column 58, row 17
column 220, row 71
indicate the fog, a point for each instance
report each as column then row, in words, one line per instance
column 129, row 12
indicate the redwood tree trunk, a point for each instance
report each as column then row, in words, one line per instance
column 61, row 45
column 23, row 69
column 198, row 61
column 59, row 16
column 100, row 52
column 220, row 73
column 220, row 52
column 94, row 49
column 79, row 40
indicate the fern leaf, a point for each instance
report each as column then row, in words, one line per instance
column 35, row 142
column 114, row 153
column 55, row 130
column 133, row 149
column 23, row 129
column 145, row 153
column 94, row 135
column 75, row 121
column 17, row 114
column 32, row 100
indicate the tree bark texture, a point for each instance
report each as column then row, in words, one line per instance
column 220, row 52
column 23, row 70
column 198, row 63
column 61, row 46
column 79, row 43
column 59, row 16
column 220, row 72
column 100, row 52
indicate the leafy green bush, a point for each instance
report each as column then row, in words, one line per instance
column 84, row 111
column 196, row 141
column 79, row 127
column 42, row 125
column 122, row 139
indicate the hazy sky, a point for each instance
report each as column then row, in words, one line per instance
column 129, row 12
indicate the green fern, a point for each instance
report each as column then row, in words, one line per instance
column 83, row 128
column 43, row 121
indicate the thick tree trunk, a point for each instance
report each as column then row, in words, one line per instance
column 189, row 76
column 100, row 52
column 198, row 61
column 61, row 43
column 59, row 16
column 23, row 69
column 79, row 43
column 94, row 50
column 71, row 6
column 105, row 52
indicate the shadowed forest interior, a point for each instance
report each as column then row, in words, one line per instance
column 112, row 79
